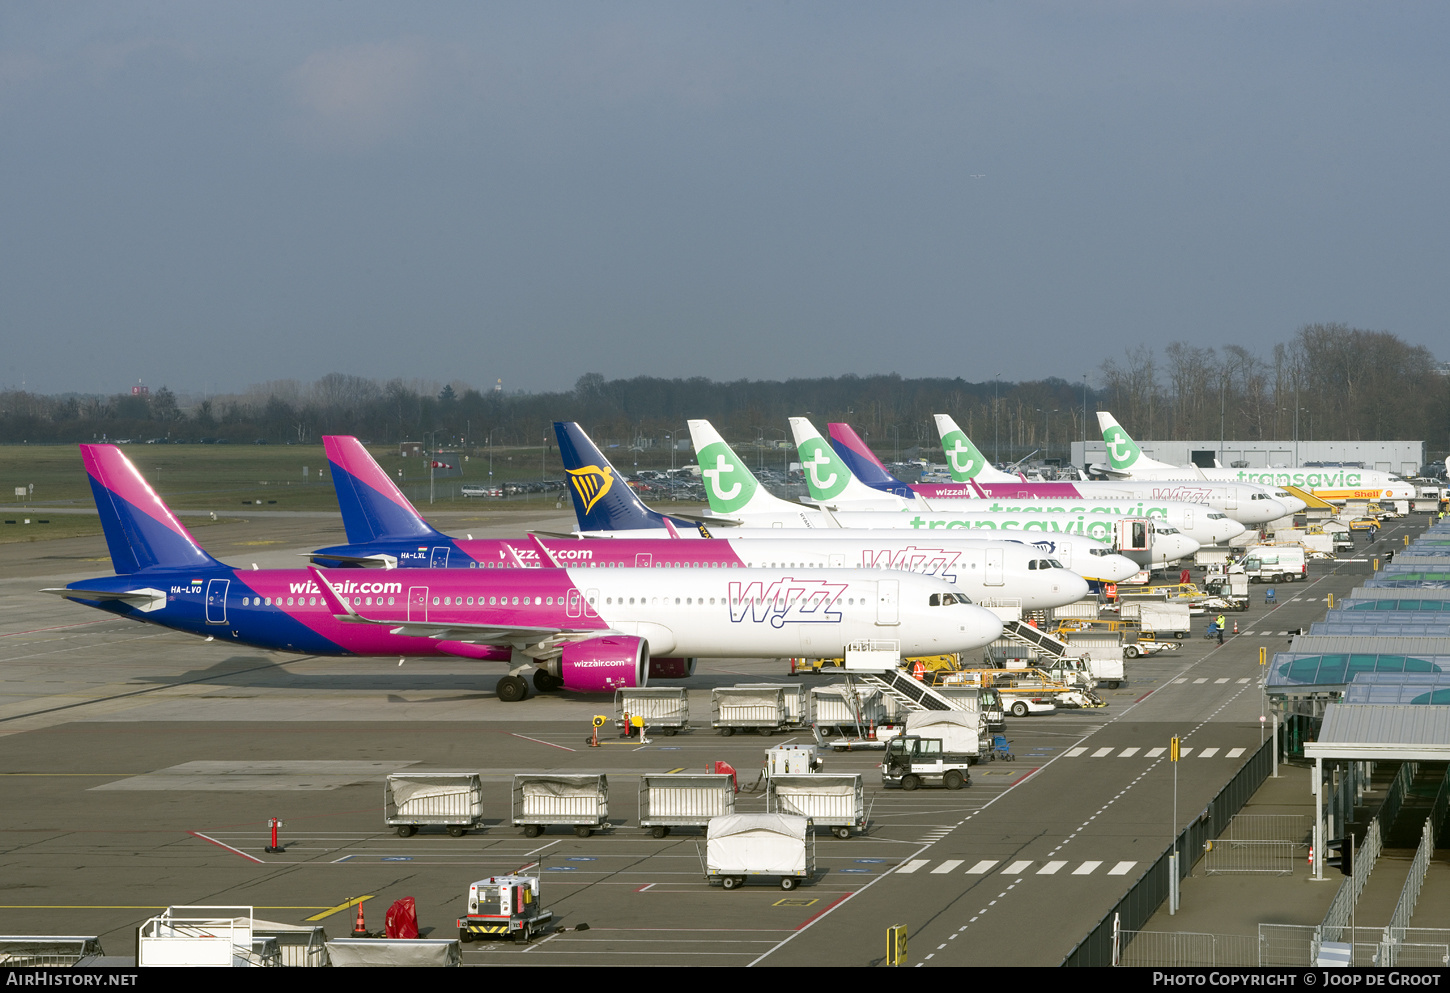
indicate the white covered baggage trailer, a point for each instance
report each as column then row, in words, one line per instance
column 664, row 708
column 580, row 802
column 738, row 846
column 797, row 703
column 453, row 800
column 748, row 708
column 835, row 801
column 836, row 707
column 670, row 801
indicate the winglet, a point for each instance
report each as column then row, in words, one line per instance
column 340, row 606
column 671, row 529
column 544, row 554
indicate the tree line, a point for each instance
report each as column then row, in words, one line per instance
column 1343, row 383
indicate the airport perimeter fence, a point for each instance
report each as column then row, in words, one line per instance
column 1150, row 889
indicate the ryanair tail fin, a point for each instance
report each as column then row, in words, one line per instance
column 602, row 498
column 372, row 507
column 141, row 531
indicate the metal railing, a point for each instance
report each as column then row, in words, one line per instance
column 1150, row 889
column 1180, row 949
column 1337, row 918
column 1268, row 857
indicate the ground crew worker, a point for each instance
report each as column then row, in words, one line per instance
column 1220, row 623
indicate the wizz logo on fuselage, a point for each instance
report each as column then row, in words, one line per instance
column 786, row 601
column 923, row 561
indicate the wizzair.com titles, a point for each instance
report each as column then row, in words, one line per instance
column 346, row 588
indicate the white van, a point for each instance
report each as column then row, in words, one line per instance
column 1275, row 564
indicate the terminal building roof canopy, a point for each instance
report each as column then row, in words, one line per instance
column 1294, row 673
column 1396, row 603
column 1375, row 732
column 1406, row 688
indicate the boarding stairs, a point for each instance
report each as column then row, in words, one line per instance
column 1036, row 639
column 899, row 684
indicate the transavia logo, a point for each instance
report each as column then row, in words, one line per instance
column 823, row 473
column 962, row 456
column 591, row 483
column 1122, row 450
column 786, row 601
column 727, row 483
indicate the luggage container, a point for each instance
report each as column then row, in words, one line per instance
column 748, row 708
column 797, row 703
column 664, row 708
column 671, row 801
column 835, row 801
column 453, row 800
column 739, row 846
column 847, row 709
column 580, row 802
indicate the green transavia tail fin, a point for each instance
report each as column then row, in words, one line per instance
column 828, row 477
column 1123, row 451
column 965, row 461
column 729, row 486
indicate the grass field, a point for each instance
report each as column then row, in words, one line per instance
column 222, row 478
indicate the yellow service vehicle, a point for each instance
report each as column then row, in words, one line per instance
column 929, row 664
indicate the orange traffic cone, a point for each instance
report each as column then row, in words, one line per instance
column 359, row 929
column 1236, row 626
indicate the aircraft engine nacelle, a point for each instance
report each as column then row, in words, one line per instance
column 603, row 665
column 671, row 668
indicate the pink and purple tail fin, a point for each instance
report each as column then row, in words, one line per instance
column 863, row 463
column 141, row 531
column 372, row 507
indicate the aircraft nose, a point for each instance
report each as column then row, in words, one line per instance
column 985, row 627
column 1120, row 567
column 1231, row 529
column 1073, row 585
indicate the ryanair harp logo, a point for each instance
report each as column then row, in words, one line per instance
column 591, row 483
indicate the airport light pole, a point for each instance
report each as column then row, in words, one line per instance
column 996, row 403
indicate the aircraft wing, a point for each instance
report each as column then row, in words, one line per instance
column 519, row 636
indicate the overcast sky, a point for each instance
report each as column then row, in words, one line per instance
column 212, row 195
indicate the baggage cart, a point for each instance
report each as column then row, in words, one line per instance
column 452, row 800
column 797, row 703
column 835, row 801
column 580, row 802
column 747, row 708
column 847, row 709
column 778, row 846
column 671, row 801
column 664, row 708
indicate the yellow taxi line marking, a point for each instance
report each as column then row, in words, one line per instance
column 339, row 909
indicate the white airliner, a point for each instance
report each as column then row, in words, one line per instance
column 832, row 485
column 1126, row 459
column 1247, row 503
column 736, row 497
column 1033, row 569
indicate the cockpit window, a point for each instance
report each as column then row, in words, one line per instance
column 948, row 599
